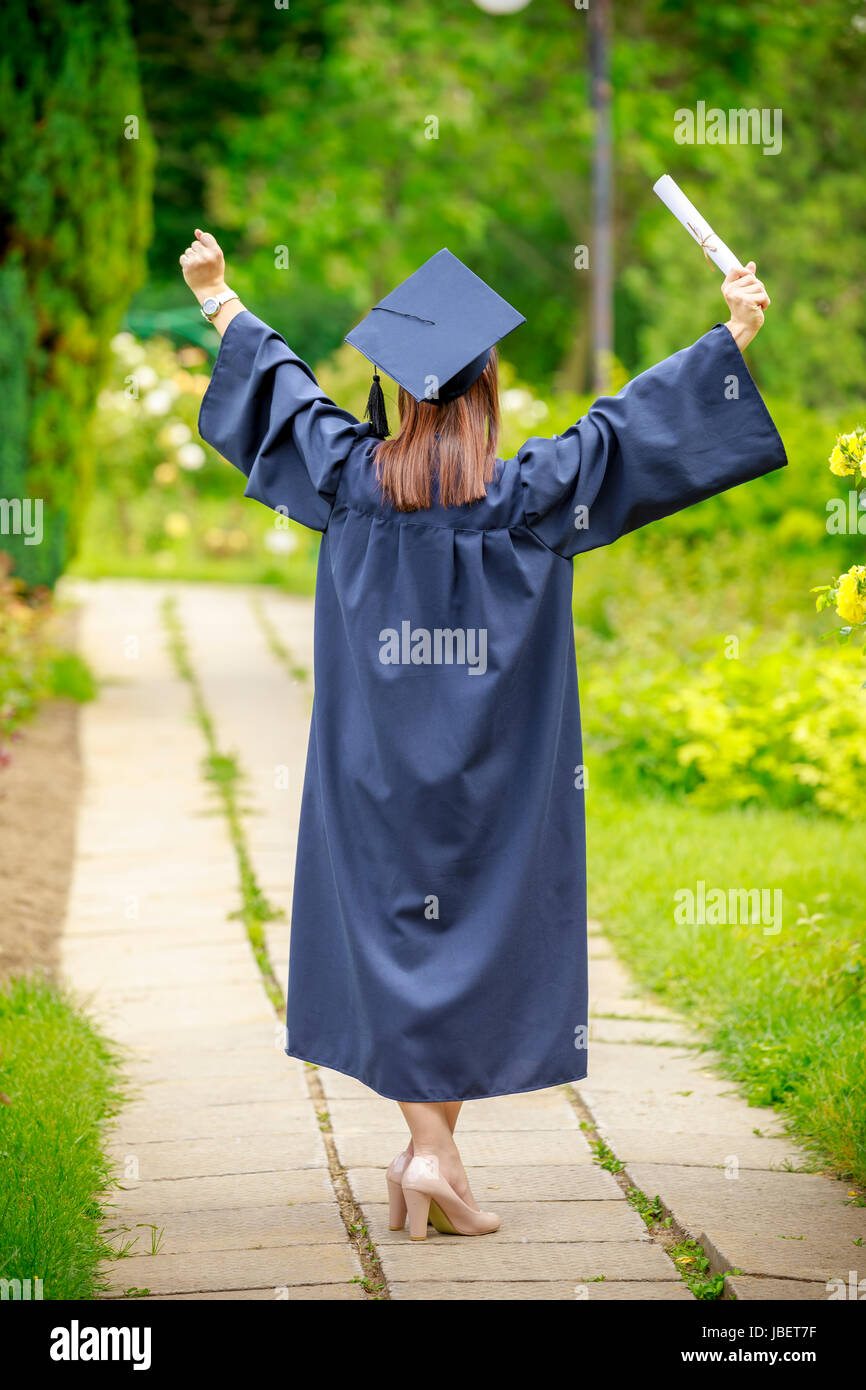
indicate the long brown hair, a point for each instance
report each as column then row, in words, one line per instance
column 455, row 442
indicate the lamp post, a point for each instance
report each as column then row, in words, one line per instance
column 602, row 194
column 601, row 252
column 501, row 6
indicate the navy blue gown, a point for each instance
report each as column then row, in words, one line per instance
column 438, row 938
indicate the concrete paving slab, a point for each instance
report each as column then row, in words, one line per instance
column 226, row 1193
column 242, row 1228
column 691, row 1149
column 196, row 1158
column 809, row 1256
column 320, row 1293
column 547, row 1290
column 212, row 1270
column 455, row 1259
column 751, row 1290
column 534, row 1222
column 146, row 1121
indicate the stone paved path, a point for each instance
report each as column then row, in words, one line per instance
column 221, row 1151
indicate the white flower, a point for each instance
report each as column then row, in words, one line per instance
column 281, row 542
column 175, row 434
column 516, row 398
column 125, row 346
column 145, row 377
column 191, row 456
column 157, row 402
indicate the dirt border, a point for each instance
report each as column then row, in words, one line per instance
column 39, row 794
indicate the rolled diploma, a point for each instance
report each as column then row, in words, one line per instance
column 698, row 227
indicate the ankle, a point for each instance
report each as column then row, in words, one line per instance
column 440, row 1148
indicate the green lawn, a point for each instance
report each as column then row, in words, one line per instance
column 785, row 1010
column 60, row 1081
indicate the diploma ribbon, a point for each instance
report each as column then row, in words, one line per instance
column 703, row 241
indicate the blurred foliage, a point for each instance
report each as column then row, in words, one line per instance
column 32, row 667
column 362, row 138
column 768, row 725
column 166, row 504
column 74, row 223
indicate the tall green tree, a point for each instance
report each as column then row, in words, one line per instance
column 75, row 182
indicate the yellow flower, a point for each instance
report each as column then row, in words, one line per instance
column 839, row 464
column 851, row 595
column 849, row 454
column 176, row 525
column 165, row 474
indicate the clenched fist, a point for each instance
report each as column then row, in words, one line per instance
column 204, row 266
column 747, row 299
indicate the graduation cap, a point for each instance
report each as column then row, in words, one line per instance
column 433, row 334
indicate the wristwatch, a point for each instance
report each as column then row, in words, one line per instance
column 212, row 305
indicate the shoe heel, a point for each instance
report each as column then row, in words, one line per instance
column 418, row 1205
column 396, row 1206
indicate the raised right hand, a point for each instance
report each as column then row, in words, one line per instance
column 746, row 299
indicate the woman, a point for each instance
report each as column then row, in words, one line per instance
column 438, row 946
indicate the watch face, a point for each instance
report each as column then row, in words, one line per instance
column 210, row 305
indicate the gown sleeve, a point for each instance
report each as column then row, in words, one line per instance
column 265, row 412
column 690, row 427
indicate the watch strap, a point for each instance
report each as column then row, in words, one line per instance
column 221, row 299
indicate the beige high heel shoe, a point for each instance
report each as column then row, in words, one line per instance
column 429, row 1197
column 396, row 1200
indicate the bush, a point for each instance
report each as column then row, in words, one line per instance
column 164, row 502
column 776, row 725
column 31, row 669
column 74, row 224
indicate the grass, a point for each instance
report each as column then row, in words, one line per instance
column 784, row 1011
column 70, row 678
column 222, row 771
column 61, row 1083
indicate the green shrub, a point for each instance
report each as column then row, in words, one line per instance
column 31, row 668
column 781, row 725
column 74, row 225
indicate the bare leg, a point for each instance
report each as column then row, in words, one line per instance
column 431, row 1126
column 452, row 1112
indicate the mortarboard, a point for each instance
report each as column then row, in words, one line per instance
column 433, row 334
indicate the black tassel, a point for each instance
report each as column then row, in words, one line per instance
column 375, row 411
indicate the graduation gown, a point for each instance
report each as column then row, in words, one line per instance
column 438, row 937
